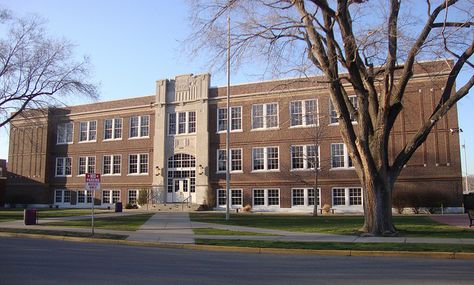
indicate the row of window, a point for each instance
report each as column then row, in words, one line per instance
column 341, row 196
column 265, row 116
column 113, row 130
column 85, row 197
column 348, row 196
column 111, row 165
column 303, row 157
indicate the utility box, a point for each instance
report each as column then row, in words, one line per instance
column 29, row 217
column 118, row 207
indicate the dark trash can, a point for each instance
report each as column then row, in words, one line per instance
column 118, row 207
column 29, row 216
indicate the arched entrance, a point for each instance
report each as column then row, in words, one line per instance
column 181, row 178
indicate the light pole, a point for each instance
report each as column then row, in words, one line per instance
column 463, row 146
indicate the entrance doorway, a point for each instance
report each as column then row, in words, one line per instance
column 181, row 178
column 180, row 189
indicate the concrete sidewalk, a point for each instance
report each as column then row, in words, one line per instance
column 166, row 228
column 176, row 227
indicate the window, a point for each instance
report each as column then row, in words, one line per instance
column 87, row 131
column 333, row 113
column 235, row 120
column 113, row 129
column 86, row 165
column 62, row 196
column 84, row 196
column 355, row 196
column 235, row 197
column 340, row 157
column 132, row 197
column 182, row 123
column 266, row 197
column 265, row 158
column 111, row 164
column 265, row 116
column 236, row 160
column 303, row 113
column 304, row 197
column 139, row 126
column 63, row 166
column 304, row 157
column 351, row 196
column 110, row 196
column 138, row 163
column 64, row 133
column 181, row 165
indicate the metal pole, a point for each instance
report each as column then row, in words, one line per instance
column 465, row 163
column 227, row 138
column 93, row 195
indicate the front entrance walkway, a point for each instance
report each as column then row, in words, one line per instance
column 165, row 228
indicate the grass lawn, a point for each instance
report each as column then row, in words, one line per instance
column 64, row 233
column 121, row 223
column 17, row 214
column 343, row 246
column 411, row 226
column 220, row 232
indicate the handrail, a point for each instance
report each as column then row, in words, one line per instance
column 187, row 200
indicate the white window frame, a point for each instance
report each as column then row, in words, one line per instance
column 88, row 199
column 88, row 164
column 305, row 157
column 345, row 158
column 63, row 196
column 62, row 131
column 265, row 116
column 139, row 128
column 232, row 192
column 64, row 167
column 218, row 160
column 112, row 164
column 223, row 122
column 347, row 197
column 114, row 136
column 136, row 196
column 306, row 197
column 187, row 123
column 304, row 114
column 265, row 159
column 333, row 121
column 111, row 196
column 139, row 159
column 266, row 198
column 88, row 131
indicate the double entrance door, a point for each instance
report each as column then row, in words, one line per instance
column 181, row 189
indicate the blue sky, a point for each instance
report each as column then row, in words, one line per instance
column 134, row 43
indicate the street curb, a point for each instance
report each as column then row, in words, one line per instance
column 255, row 250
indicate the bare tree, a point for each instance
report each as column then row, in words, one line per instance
column 345, row 40
column 36, row 71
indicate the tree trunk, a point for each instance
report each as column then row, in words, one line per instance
column 378, row 208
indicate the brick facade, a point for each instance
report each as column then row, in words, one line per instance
column 34, row 147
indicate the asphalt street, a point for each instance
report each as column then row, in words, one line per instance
column 37, row 261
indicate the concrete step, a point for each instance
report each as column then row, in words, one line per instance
column 171, row 207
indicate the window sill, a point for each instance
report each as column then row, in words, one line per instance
column 88, row 141
column 111, row 175
column 66, row 143
column 265, row 129
column 303, row 126
column 263, row 171
column 341, row 168
column 138, row 138
column 231, row 172
column 111, row 140
column 62, row 176
column 303, row 169
column 231, row 131
column 137, row 174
